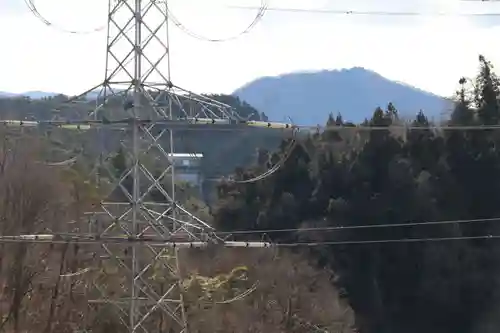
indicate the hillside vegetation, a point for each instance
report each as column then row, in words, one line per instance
column 347, row 206
column 223, row 150
column 388, row 176
column 53, row 287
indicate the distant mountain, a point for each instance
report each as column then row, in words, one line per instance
column 4, row 94
column 308, row 98
column 43, row 94
column 39, row 94
column 31, row 94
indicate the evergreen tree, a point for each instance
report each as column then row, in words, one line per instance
column 384, row 178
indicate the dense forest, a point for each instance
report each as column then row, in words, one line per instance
column 387, row 227
column 345, row 177
column 223, row 149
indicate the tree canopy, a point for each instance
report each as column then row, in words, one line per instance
column 446, row 280
column 398, row 218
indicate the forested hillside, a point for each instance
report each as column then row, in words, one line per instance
column 386, row 227
column 433, row 278
column 66, row 286
column 308, row 97
column 223, row 149
column 62, row 286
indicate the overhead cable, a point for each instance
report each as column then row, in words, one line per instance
column 334, row 228
column 286, row 154
column 204, row 124
column 258, row 17
column 211, row 125
column 363, row 13
column 261, row 10
column 34, row 10
column 361, row 226
column 388, row 241
column 52, row 239
column 67, row 162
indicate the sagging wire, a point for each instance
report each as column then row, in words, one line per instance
column 404, row 224
column 34, row 10
column 368, row 13
column 258, row 17
column 265, row 238
column 307, row 324
column 67, row 162
column 287, row 153
column 255, row 285
column 77, row 273
column 253, row 288
column 161, row 243
column 240, row 296
column 211, row 284
column 204, row 280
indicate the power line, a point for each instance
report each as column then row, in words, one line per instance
column 131, row 214
column 364, row 226
column 258, row 231
column 212, row 124
column 388, row 241
column 131, row 79
column 126, row 240
column 54, row 239
column 363, row 13
column 355, row 128
column 34, row 10
column 401, row 127
column 258, row 17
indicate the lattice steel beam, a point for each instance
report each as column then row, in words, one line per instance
column 138, row 99
column 138, row 88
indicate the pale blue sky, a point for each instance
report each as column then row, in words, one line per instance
column 429, row 52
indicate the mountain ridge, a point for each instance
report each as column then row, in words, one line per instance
column 35, row 94
column 308, row 97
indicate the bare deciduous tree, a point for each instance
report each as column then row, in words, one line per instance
column 47, row 287
column 286, row 294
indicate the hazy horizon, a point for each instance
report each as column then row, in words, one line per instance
column 428, row 52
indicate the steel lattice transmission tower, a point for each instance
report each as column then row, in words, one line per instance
column 138, row 93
